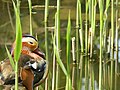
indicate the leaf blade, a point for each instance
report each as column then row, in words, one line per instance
column 10, row 58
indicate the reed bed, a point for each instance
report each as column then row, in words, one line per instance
column 83, row 46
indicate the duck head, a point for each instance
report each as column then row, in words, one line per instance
column 29, row 47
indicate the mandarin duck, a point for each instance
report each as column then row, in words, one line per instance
column 33, row 68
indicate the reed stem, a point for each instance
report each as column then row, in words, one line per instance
column 116, row 40
column 30, row 12
column 68, row 37
column 81, row 25
column 54, row 61
column 86, row 27
column 77, row 33
column 46, row 35
column 57, row 40
column 16, row 75
column 93, row 15
column 112, row 44
column 10, row 16
column 18, row 40
column 101, row 45
column 73, row 49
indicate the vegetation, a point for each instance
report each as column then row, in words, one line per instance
column 83, row 50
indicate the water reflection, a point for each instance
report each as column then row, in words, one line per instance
column 86, row 75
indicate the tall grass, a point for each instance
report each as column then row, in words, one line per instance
column 74, row 61
column 92, row 24
column 46, row 34
column 91, row 7
column 57, row 40
column 86, row 26
column 30, row 12
column 77, row 32
column 112, row 44
column 46, row 24
column 101, row 45
column 116, row 40
column 73, row 49
column 18, row 41
column 59, row 61
column 68, row 37
column 57, row 54
column 81, row 25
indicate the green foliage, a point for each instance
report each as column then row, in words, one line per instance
column 59, row 61
column 81, row 27
column 30, row 11
column 10, row 58
column 18, row 41
column 18, row 45
column 68, row 37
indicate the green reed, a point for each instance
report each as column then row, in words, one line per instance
column 46, row 34
column 105, row 26
column 106, row 47
column 18, row 40
column 105, row 36
column 59, row 61
column 57, row 40
column 101, row 45
column 30, row 12
column 73, row 49
column 18, row 46
column 58, row 24
column 116, row 40
column 46, row 24
column 57, row 54
column 77, row 33
column 81, row 26
column 86, row 27
column 54, row 61
column 112, row 44
column 116, row 25
column 68, row 37
column 74, row 60
column 92, row 13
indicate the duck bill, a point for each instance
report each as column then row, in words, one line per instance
column 38, row 52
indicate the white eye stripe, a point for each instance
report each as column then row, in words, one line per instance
column 28, row 39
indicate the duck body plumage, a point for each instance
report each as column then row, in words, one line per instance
column 33, row 68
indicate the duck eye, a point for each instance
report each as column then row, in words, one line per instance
column 31, row 42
